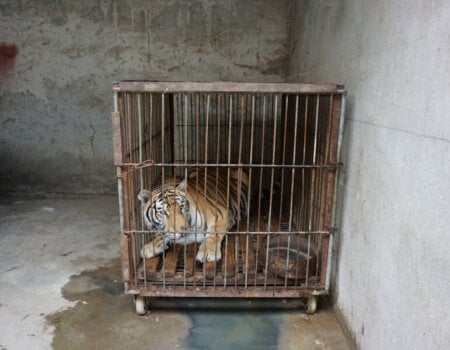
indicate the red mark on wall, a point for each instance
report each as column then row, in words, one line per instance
column 8, row 55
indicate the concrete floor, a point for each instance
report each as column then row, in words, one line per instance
column 60, row 288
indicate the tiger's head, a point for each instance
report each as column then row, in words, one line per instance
column 166, row 209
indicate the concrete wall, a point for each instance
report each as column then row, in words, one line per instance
column 58, row 59
column 392, row 281
column 391, row 278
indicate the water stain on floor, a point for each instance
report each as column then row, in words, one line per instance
column 105, row 318
column 232, row 324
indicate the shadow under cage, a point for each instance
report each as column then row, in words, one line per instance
column 267, row 152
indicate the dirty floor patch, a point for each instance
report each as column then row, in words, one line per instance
column 231, row 323
column 104, row 318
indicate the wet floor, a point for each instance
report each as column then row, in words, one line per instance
column 60, row 288
column 104, row 317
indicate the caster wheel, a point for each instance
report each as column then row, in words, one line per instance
column 141, row 307
column 311, row 305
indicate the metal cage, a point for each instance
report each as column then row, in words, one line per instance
column 285, row 137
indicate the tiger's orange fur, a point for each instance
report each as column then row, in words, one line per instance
column 202, row 208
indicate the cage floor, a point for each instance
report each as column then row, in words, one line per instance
column 240, row 266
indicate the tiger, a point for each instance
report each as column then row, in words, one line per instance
column 201, row 208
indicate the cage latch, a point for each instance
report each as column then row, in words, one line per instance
column 135, row 167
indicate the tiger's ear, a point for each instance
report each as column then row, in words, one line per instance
column 182, row 186
column 144, row 196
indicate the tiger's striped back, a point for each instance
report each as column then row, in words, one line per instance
column 222, row 189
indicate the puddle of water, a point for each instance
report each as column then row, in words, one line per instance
column 104, row 318
column 232, row 323
column 234, row 330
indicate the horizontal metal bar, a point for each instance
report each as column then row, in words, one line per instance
column 127, row 232
column 215, row 87
column 229, row 292
column 214, row 165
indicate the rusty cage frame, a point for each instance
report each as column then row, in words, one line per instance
column 285, row 136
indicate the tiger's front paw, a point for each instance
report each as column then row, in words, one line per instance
column 153, row 248
column 209, row 251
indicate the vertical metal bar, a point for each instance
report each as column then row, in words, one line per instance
column 150, row 174
column 197, row 125
column 230, row 119
column 128, row 109
column 316, row 128
column 163, row 130
column 225, row 263
column 185, row 137
column 230, row 129
column 207, row 131
column 334, row 218
column 272, row 171
column 141, row 175
column 283, row 161
column 304, row 202
column 313, row 195
column 125, row 254
column 249, row 204
column 241, row 132
column 216, row 194
column 185, row 160
column 208, row 100
column 241, row 129
column 341, row 125
column 333, row 159
column 172, row 142
column 284, row 112
column 119, row 169
column 197, row 133
column 294, row 156
column 324, row 172
column 143, row 179
column 218, row 110
column 325, row 142
column 135, row 175
column 275, row 123
column 219, row 98
column 269, row 214
column 151, row 154
column 225, row 258
column 314, row 175
column 163, row 118
column 129, row 101
column 191, row 157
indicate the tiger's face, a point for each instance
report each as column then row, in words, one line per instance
column 176, row 225
column 165, row 209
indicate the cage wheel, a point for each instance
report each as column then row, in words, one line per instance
column 311, row 305
column 140, row 304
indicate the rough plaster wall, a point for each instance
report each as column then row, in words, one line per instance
column 392, row 279
column 58, row 59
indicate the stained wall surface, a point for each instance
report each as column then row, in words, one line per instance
column 391, row 277
column 58, row 59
